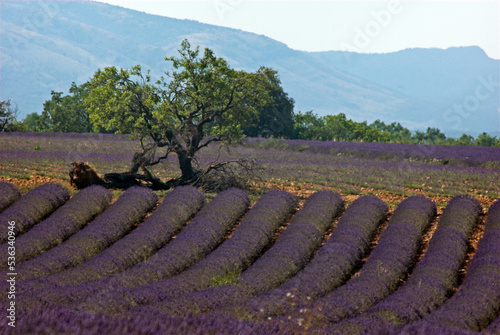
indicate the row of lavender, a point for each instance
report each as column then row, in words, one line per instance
column 477, row 303
column 475, row 155
column 157, row 230
column 30, row 208
column 268, row 276
column 331, row 266
column 145, row 240
column 8, row 194
column 271, row 212
column 432, row 280
column 45, row 320
column 151, row 255
column 64, row 222
column 465, row 154
column 386, row 267
column 232, row 256
column 358, row 223
column 61, row 241
column 214, row 220
column 105, row 230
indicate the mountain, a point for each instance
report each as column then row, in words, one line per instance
column 46, row 45
column 459, row 85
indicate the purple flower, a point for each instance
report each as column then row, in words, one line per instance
column 291, row 251
column 387, row 264
column 477, row 302
column 8, row 194
column 32, row 208
column 64, row 222
column 433, row 278
column 205, row 232
column 333, row 262
column 106, row 229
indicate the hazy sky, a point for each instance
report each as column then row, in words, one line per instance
column 362, row 26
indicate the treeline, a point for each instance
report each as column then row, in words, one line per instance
column 67, row 113
column 310, row 126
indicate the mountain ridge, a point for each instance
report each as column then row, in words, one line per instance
column 58, row 43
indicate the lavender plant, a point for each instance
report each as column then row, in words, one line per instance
column 106, row 229
column 64, row 222
column 477, row 302
column 205, row 232
column 331, row 266
column 8, row 194
column 195, row 241
column 59, row 320
column 168, row 218
column 394, row 168
column 461, row 154
column 385, row 268
column 234, row 255
column 433, row 278
column 494, row 327
column 295, row 245
column 427, row 328
column 32, row 208
column 291, row 251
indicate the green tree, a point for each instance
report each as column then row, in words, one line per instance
column 36, row 123
column 465, row 140
column 393, row 132
column 275, row 119
column 202, row 101
column 8, row 116
column 308, row 126
column 485, row 140
column 338, row 128
column 434, row 136
column 431, row 136
column 420, row 137
column 67, row 113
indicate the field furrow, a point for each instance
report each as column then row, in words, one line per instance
column 332, row 238
column 59, row 226
column 31, row 208
column 386, row 267
column 477, row 302
column 433, row 278
column 166, row 220
column 234, row 255
column 331, row 266
column 205, row 232
column 291, row 251
column 107, row 228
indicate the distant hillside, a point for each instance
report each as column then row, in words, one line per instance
column 45, row 46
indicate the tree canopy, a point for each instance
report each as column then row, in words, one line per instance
column 65, row 113
column 275, row 118
column 310, row 126
column 201, row 101
column 8, row 115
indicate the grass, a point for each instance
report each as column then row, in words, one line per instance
column 230, row 276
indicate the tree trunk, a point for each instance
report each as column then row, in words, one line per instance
column 186, row 166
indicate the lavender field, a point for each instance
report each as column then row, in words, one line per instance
column 391, row 170
column 331, row 238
